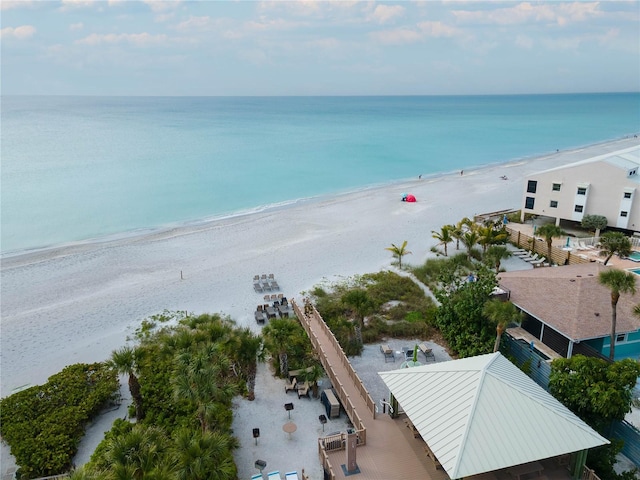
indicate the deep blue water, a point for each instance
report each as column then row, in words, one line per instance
column 76, row 168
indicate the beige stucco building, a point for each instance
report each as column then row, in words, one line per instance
column 605, row 185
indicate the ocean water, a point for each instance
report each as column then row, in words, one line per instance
column 80, row 168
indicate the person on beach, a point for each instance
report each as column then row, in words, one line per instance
column 461, row 172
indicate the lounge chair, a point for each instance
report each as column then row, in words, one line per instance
column 522, row 253
column 271, row 277
column 291, row 476
column 259, row 316
column 387, row 352
column 274, row 475
column 290, row 385
column 303, row 390
column 275, row 286
column 257, row 287
column 539, row 262
column 257, row 476
column 428, row 353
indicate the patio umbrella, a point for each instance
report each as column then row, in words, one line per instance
column 568, row 242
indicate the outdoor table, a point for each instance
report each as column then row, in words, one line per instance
column 525, row 469
column 289, row 427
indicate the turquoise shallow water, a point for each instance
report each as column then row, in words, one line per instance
column 76, row 168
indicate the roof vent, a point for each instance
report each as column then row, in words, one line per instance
column 589, row 274
column 597, row 314
column 579, row 276
column 572, row 279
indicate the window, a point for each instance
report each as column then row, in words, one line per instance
column 556, row 187
column 623, row 213
column 621, row 337
column 553, row 204
column 578, row 208
column 532, row 185
column 627, row 194
column 582, row 190
column 529, row 202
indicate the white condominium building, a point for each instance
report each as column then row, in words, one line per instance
column 606, row 185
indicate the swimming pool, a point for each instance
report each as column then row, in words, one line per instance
column 634, row 270
column 635, row 256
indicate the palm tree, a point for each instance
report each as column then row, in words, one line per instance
column 443, row 236
column 618, row 281
column 359, row 301
column 549, row 231
column 277, row 335
column 612, row 243
column 502, row 314
column 125, row 361
column 204, row 456
column 470, row 240
column 495, row 254
column 488, row 235
column 138, row 454
column 248, row 351
column 203, row 379
column 399, row 252
column 457, row 231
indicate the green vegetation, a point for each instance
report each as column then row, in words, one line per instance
column 612, row 243
column 549, row 231
column 399, row 252
column 44, row 424
column 382, row 304
column 188, row 375
column 618, row 281
column 594, row 222
column 598, row 392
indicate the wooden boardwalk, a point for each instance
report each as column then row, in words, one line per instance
column 387, row 449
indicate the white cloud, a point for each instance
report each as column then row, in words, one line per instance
column 385, row 13
column 22, row 32
column 524, row 41
column 11, row 4
column 162, row 5
column 76, row 26
column 560, row 13
column 438, row 29
column 68, row 4
column 399, row 36
column 137, row 39
column 194, row 23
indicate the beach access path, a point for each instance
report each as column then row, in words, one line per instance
column 79, row 303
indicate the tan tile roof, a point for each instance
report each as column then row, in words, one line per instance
column 571, row 300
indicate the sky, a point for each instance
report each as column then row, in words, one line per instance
column 256, row 48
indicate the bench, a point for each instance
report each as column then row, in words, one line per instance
column 387, row 352
column 428, row 353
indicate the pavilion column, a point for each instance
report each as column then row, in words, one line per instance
column 578, row 461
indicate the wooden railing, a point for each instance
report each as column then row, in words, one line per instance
column 588, row 474
column 338, row 441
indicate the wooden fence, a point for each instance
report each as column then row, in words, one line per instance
column 539, row 246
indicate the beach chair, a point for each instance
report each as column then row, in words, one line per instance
column 387, row 352
column 539, row 262
column 257, row 476
column 291, row 476
column 303, row 391
column 274, row 475
column 257, row 287
column 275, row 286
column 290, row 385
column 530, row 258
column 271, row 277
column 427, row 352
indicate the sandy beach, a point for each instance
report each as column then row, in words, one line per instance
column 77, row 304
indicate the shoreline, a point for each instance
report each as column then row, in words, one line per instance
column 26, row 256
column 78, row 304
column 71, row 304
